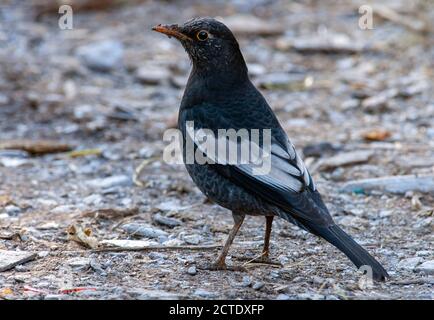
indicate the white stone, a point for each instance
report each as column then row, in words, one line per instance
column 409, row 263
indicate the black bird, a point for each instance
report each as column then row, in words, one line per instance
column 219, row 95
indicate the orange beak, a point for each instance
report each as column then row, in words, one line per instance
column 171, row 31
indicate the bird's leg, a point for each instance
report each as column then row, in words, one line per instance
column 220, row 263
column 264, row 257
column 266, row 249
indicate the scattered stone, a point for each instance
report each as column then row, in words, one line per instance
column 192, row 239
column 344, row 159
column 56, row 297
column 166, row 221
column 142, row 294
column 178, row 81
column 282, row 296
column 204, row 294
column 4, row 100
column 243, row 24
column 101, row 56
column 110, row 182
column 423, row 253
column 379, row 102
column 93, row 199
column 247, row 281
column 350, row 104
column 143, row 230
column 22, row 268
column 10, row 259
column 43, row 254
column 170, row 205
column 424, row 225
column 392, row 184
column 4, row 216
column 97, row 267
column 327, row 44
column 84, row 112
column 79, row 264
column 282, row 81
column 63, row 209
column 47, row 203
column 48, row 226
column 354, row 222
column 256, row 69
column 409, row 263
column 13, row 162
column 12, row 210
column 192, row 270
column 427, row 267
column 127, row 244
column 152, row 75
column 410, row 22
column 320, row 149
column 310, row 296
column 258, row 285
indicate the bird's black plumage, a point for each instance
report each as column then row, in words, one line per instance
column 219, row 95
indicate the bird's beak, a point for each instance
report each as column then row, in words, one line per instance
column 171, row 31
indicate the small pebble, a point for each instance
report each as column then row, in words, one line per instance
column 427, row 267
column 409, row 263
column 12, row 210
column 204, row 294
column 258, row 285
column 247, row 282
column 192, row 271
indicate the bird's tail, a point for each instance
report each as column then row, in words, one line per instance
column 359, row 256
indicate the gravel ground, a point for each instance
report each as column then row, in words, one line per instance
column 358, row 103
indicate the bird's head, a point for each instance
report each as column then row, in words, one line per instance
column 208, row 42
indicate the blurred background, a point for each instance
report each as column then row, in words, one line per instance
column 82, row 108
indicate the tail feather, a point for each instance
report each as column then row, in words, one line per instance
column 359, row 256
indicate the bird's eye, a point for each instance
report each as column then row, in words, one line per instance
column 202, row 35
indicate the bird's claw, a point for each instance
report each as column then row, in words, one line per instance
column 221, row 267
column 261, row 260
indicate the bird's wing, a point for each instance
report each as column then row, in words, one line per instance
column 286, row 184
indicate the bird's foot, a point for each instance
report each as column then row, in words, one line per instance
column 260, row 260
column 216, row 266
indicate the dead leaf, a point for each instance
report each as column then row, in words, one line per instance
column 85, row 153
column 376, row 135
column 36, row 147
column 6, row 291
column 5, row 200
column 111, row 213
column 82, row 236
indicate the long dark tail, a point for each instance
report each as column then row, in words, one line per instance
column 359, row 256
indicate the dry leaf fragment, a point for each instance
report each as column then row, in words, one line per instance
column 376, row 135
column 5, row 200
column 6, row 291
column 85, row 153
column 36, row 147
column 111, row 213
column 82, row 236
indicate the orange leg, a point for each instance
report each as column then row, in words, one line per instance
column 220, row 263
